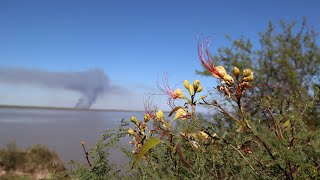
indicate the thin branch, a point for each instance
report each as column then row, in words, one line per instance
column 224, row 111
column 225, row 141
column 86, row 153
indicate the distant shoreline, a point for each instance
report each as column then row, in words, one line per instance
column 65, row 108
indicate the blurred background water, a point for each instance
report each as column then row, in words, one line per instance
column 59, row 130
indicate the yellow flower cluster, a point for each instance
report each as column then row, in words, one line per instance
column 221, row 73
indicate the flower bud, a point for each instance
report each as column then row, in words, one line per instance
column 196, row 84
column 247, row 72
column 131, row 131
column 160, row 114
column 146, row 117
column 134, row 120
column 200, row 88
column 228, row 79
column 248, row 78
column 236, row 72
column 186, row 84
column 221, row 71
column 191, row 90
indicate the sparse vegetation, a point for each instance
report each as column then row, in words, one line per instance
column 36, row 162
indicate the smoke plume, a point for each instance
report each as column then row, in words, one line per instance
column 91, row 84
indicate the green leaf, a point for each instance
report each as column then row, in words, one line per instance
column 145, row 148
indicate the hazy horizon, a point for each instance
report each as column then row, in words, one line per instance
column 110, row 54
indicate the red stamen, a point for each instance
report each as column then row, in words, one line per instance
column 148, row 108
column 204, row 56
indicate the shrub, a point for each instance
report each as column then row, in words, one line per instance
column 271, row 141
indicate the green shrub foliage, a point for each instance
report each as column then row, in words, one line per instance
column 266, row 126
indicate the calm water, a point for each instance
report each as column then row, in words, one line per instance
column 59, row 130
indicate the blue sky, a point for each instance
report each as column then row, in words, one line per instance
column 134, row 42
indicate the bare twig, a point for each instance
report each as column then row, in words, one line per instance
column 85, row 152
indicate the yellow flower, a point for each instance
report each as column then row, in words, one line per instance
column 180, row 113
column 160, row 114
column 178, row 93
